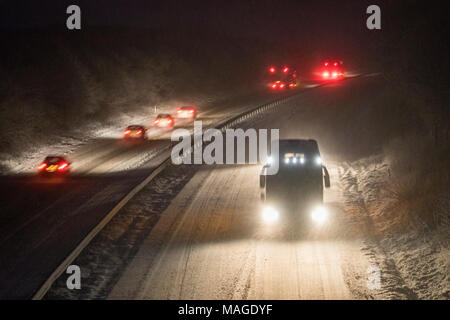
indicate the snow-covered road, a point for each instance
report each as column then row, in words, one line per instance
column 218, row 247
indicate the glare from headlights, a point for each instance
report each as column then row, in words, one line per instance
column 286, row 160
column 318, row 160
column 294, row 160
column 270, row 214
column 319, row 215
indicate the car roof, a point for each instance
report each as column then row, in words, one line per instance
column 163, row 115
column 307, row 146
column 54, row 158
column 186, row 107
column 135, row 126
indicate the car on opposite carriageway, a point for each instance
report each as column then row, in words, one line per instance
column 54, row 165
column 164, row 120
column 186, row 112
column 332, row 70
column 135, row 132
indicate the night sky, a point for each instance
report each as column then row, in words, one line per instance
column 272, row 19
column 327, row 26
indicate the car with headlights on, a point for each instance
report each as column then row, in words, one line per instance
column 332, row 70
column 296, row 189
column 164, row 120
column 54, row 165
column 281, row 77
column 186, row 112
column 135, row 132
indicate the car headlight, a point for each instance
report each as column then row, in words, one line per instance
column 319, row 215
column 270, row 214
column 318, row 161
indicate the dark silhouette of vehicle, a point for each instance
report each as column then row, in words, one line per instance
column 332, row 70
column 186, row 112
column 164, row 120
column 135, row 132
column 298, row 186
column 281, row 78
column 54, row 165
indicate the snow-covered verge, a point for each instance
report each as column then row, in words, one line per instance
column 65, row 143
column 407, row 218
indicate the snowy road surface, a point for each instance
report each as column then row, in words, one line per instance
column 218, row 247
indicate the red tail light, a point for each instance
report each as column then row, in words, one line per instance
column 179, row 111
column 274, row 85
column 63, row 166
column 285, row 69
column 282, row 85
column 191, row 111
column 334, row 74
column 326, row 64
column 169, row 121
column 335, row 64
column 42, row 166
column 127, row 132
column 156, row 121
column 272, row 70
column 139, row 132
column 325, row 74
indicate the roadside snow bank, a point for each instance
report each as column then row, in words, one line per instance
column 409, row 228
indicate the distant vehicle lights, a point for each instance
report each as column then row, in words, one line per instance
column 278, row 85
column 281, row 77
column 53, row 165
column 332, row 71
